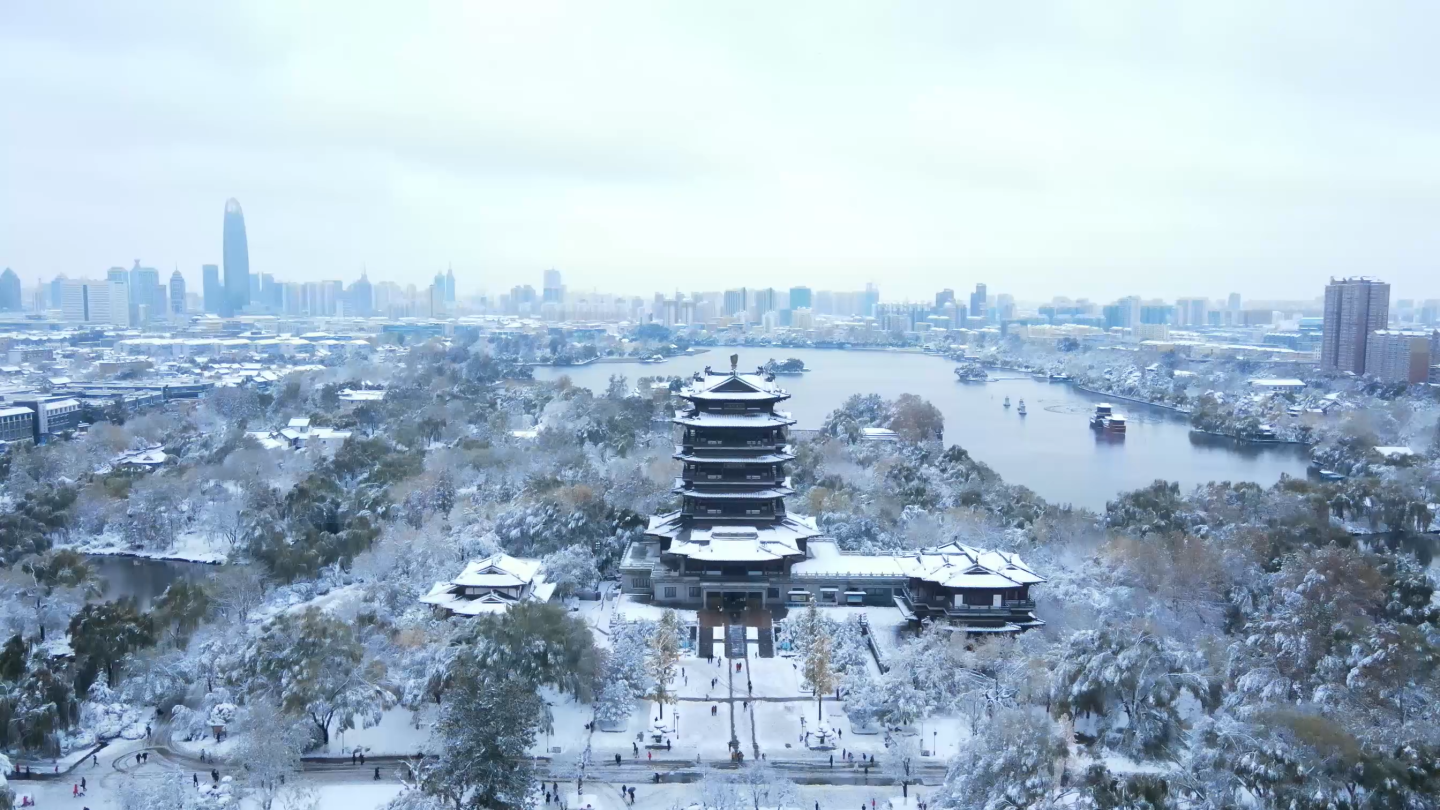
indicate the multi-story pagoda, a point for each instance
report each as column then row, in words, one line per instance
column 732, row 543
column 732, row 536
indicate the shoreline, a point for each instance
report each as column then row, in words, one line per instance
column 1243, row 440
column 177, row 557
column 1171, row 408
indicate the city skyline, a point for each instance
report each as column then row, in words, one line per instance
column 926, row 147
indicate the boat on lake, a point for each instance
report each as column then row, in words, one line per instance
column 1059, row 377
column 1007, row 402
column 1105, row 419
column 1021, row 410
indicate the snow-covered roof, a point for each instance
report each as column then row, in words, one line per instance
column 734, row 386
column 767, row 458
column 498, row 571
column 735, row 492
column 1395, row 452
column 954, row 565
column 719, row 541
column 1277, row 383
column 152, row 456
column 737, row 544
column 495, row 578
column 724, row 420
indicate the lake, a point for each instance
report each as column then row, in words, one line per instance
column 1052, row 450
column 142, row 579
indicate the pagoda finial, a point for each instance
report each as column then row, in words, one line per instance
column 734, row 363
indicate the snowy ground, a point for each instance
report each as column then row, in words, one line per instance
column 193, row 546
column 400, row 733
column 104, row 794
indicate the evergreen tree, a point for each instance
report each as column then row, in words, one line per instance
column 664, row 656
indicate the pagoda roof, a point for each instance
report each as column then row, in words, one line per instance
column 736, row 387
column 764, row 458
column 733, row 420
column 722, row 542
column 734, row 493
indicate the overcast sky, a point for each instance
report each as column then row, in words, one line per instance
column 1087, row 149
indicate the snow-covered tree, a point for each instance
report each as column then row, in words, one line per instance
column 571, row 569
column 314, row 666
column 1131, row 685
column 1013, row 763
column 614, row 704
column 628, row 659
column 664, row 658
column 485, row 731
column 7, row 796
column 750, row 787
column 817, row 666
column 269, row 749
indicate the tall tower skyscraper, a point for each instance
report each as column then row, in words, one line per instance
column 449, row 285
column 1354, row 307
column 236, row 255
column 177, row 293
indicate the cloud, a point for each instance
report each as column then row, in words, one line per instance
column 1063, row 147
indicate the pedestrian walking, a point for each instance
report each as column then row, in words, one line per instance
column 832, row 760
column 377, row 773
column 75, row 791
column 82, row 785
column 617, row 760
column 195, row 777
column 352, row 757
column 649, row 756
column 636, row 746
column 94, row 761
column 632, row 792
column 215, row 775
column 362, row 757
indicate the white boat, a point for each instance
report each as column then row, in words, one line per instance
column 1021, row 410
column 1007, row 402
column 1106, row 419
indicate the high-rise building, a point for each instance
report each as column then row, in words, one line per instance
column 57, row 291
column 10, row 297
column 553, row 291
column 945, row 296
column 766, row 300
column 735, row 301
column 236, row 256
column 1398, row 356
column 177, row 293
column 213, row 290
column 362, row 297
column 1191, row 311
column 1354, row 307
column 800, row 298
column 977, row 302
column 98, row 302
column 449, row 285
column 870, row 300
column 1233, row 304
column 147, row 296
